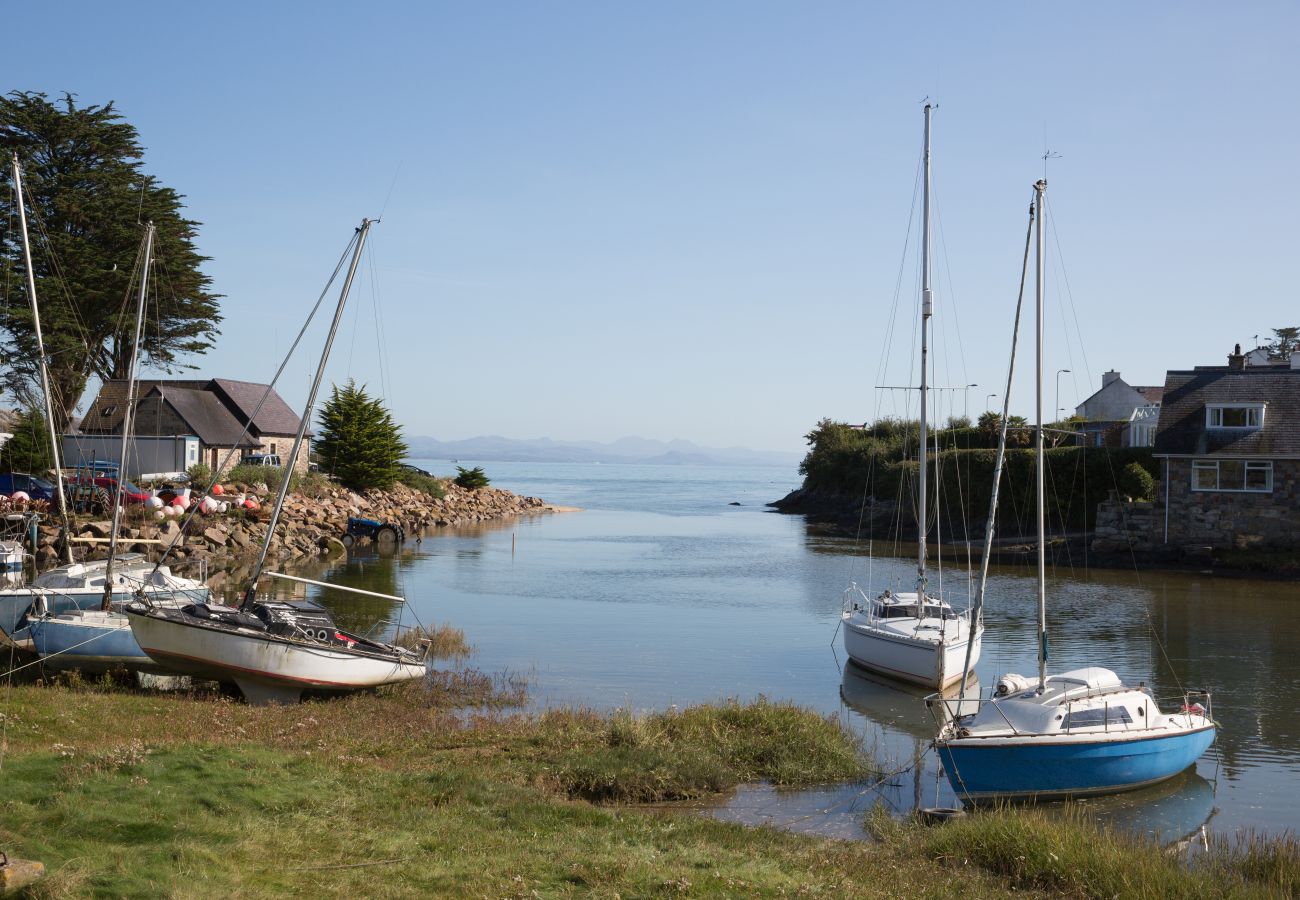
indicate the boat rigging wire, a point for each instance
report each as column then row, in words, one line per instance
column 230, row 454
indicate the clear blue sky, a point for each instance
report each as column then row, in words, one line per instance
column 684, row 219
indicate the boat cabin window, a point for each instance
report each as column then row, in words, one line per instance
column 899, row 611
column 1082, row 718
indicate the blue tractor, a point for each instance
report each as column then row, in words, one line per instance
column 375, row 530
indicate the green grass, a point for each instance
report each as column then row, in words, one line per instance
column 443, row 790
column 431, row 485
column 1070, row 855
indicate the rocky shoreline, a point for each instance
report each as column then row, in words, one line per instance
column 309, row 526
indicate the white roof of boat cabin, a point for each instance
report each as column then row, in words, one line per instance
column 1094, row 678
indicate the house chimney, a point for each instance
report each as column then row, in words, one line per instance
column 1235, row 358
column 1109, row 377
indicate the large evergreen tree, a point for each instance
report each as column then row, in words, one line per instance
column 87, row 195
column 29, row 448
column 359, row 444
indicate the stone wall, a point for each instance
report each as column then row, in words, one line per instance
column 1224, row 519
column 1124, row 526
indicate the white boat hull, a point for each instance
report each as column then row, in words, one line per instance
column 933, row 657
column 267, row 668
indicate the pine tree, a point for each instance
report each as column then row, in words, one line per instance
column 359, row 444
column 1287, row 340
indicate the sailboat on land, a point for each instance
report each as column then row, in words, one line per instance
column 1079, row 733
column 914, row 636
column 69, row 615
column 274, row 651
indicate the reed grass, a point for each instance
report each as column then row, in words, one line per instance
column 1067, row 853
column 445, row 641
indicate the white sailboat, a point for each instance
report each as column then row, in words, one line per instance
column 66, row 614
column 1079, row 733
column 274, row 651
column 914, row 636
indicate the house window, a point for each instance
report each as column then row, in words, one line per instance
column 1143, row 435
column 1251, row 475
column 1234, row 415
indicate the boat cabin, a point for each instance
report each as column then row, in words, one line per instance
column 890, row 605
column 1080, row 701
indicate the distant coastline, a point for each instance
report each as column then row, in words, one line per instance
column 625, row 451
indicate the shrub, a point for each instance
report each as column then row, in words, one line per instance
column 434, row 487
column 29, row 449
column 471, row 479
column 1136, row 482
column 200, row 474
column 251, row 475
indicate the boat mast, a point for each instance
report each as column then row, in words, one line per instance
column 250, row 596
column 42, row 362
column 1039, row 188
column 128, row 419
column 927, row 310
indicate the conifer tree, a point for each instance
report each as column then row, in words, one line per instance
column 87, row 198
column 29, row 448
column 359, row 444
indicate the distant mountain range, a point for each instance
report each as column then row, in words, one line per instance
column 628, row 450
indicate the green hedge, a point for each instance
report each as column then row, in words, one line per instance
column 870, row 462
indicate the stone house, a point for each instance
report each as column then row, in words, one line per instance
column 224, row 414
column 1229, row 440
column 1109, row 414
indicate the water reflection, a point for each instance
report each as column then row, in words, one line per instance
column 645, row 606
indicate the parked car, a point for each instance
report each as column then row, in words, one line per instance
column 262, row 459
column 36, row 487
column 96, row 493
column 415, row 470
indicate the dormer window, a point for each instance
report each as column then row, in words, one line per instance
column 1234, row 415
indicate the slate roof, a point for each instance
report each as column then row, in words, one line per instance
column 1182, row 428
column 206, row 416
column 274, row 418
column 239, row 398
column 106, row 412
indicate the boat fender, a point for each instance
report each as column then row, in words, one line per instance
column 1011, row 684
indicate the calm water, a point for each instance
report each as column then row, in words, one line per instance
column 661, row 592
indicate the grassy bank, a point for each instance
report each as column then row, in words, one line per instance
column 445, row 791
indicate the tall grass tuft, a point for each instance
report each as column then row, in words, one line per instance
column 679, row 755
column 445, row 641
column 1067, row 852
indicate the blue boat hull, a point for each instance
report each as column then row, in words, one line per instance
column 90, row 648
column 1036, row 769
column 14, row 608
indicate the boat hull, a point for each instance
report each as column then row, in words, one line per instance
column 927, row 663
column 91, row 643
column 268, row 669
column 1033, row 767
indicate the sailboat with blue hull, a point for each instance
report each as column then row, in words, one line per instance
column 1076, row 734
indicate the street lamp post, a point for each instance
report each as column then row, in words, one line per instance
column 965, row 402
column 1059, row 373
column 988, row 402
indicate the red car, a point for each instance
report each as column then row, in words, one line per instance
column 98, row 492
